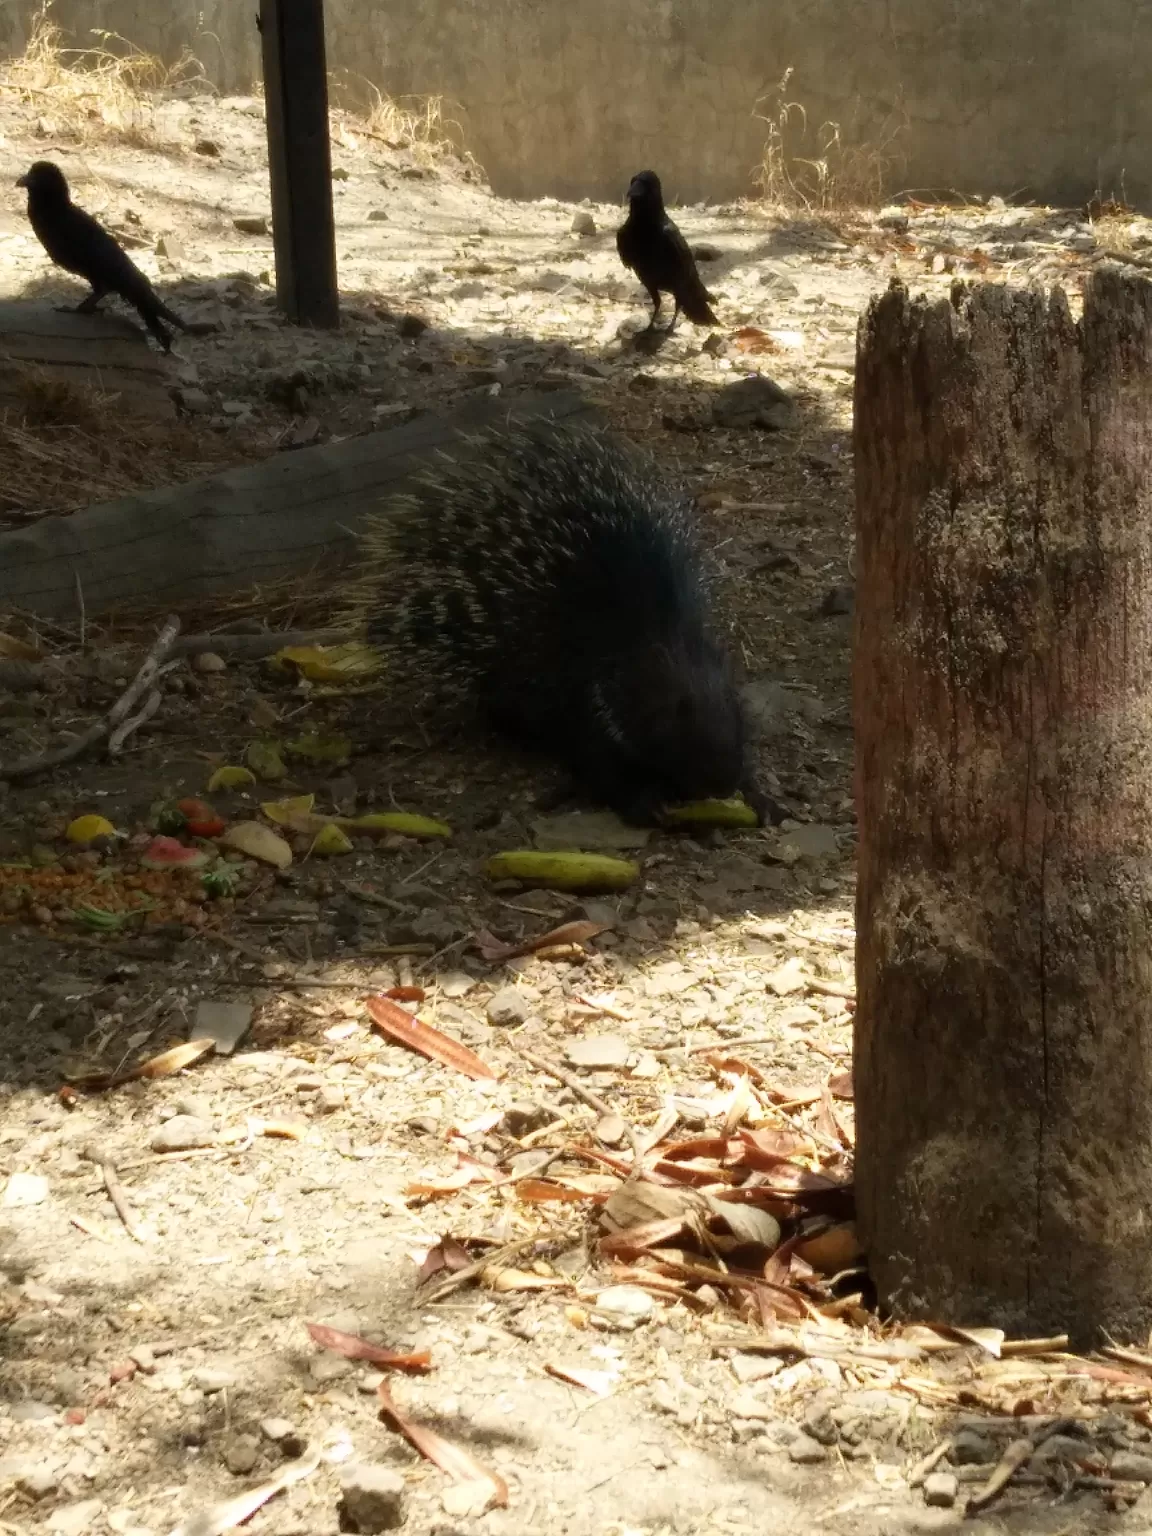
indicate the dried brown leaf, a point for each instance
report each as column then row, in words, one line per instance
column 352, row 1347
column 399, row 1025
column 459, row 1464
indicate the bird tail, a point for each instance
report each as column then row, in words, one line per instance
column 695, row 304
column 161, row 310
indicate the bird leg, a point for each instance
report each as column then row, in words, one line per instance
column 675, row 317
column 88, row 306
column 654, row 295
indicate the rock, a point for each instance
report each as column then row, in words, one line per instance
column 787, row 978
column 753, row 402
column 941, row 1489
column 1131, row 1467
column 838, row 600
column 207, row 663
column 170, row 248
column 241, row 1453
column 746, row 1405
column 372, row 1498
column 71, row 1519
column 210, row 1378
column 508, row 1008
column 25, row 1189
column 747, row 1368
column 30, row 1411
column 251, row 224
column 893, row 218
column 197, row 402
column 809, row 842
column 707, row 252
column 611, row 1131
column 583, row 223
column 622, row 1308
column 37, row 1482
column 377, row 216
column 225, row 1023
column 276, row 1429
column 806, row 1452
column 599, row 1053
column 330, row 1098
column 182, row 1133
column 412, row 326
column 780, row 284
column 207, row 147
column 972, row 1449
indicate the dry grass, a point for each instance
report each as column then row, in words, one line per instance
column 416, row 124
column 64, row 446
column 822, row 170
column 84, row 94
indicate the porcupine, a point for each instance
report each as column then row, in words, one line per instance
column 554, row 581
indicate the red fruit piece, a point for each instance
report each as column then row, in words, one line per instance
column 167, row 853
column 200, row 819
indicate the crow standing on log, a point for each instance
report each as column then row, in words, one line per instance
column 650, row 245
column 76, row 242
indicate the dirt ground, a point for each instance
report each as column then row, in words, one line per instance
column 155, row 1358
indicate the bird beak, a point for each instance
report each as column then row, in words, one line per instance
column 23, row 182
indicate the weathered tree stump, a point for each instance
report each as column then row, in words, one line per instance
column 1003, row 713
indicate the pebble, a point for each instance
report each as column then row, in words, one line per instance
column 329, row 1099
column 583, row 223
column 373, row 1498
column 241, row 1453
column 182, row 1133
column 757, row 401
column 1131, row 1467
column 25, row 1189
column 276, row 1429
column 746, row 1405
column 224, row 1023
column 941, row 1489
column 806, row 1452
column 211, row 1378
column 622, row 1307
column 71, row 1519
column 599, row 1052
column 251, row 224
column 208, row 662
column 971, row 1449
column 748, row 1368
column 37, row 1482
column 508, row 1008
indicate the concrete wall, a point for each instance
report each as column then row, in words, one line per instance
column 570, row 97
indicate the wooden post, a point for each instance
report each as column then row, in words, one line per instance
column 299, row 160
column 1003, row 716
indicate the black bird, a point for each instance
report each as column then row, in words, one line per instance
column 76, row 242
column 651, row 246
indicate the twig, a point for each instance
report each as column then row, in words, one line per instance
column 1014, row 1457
column 841, row 989
column 150, row 669
column 920, row 1470
column 570, row 1080
column 460, row 1277
column 115, row 1191
column 125, row 729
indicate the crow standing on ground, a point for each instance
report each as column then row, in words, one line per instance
column 651, row 246
column 76, row 242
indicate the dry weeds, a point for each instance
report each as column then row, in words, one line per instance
column 825, row 169
column 106, row 92
column 414, row 123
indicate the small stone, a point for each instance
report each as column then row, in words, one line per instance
column 454, row 984
column 752, row 402
column 611, row 1131
column 787, row 978
column 970, row 1448
column 522, row 1116
column 330, row 1099
column 235, row 407
column 583, row 223
column 893, row 218
column 276, row 1429
column 207, row 147
column 746, row 1405
column 241, row 1453
column 326, row 1368
column 182, row 1133
column 225, row 1023
column 251, row 224
column 747, row 1368
column 508, row 1008
column 25, row 1189
column 210, row 1378
column 622, row 1307
column 599, row 1053
column 30, row 1410
column 197, row 402
column 372, row 1498
column 809, row 843
column 707, row 252
column 377, row 216
column 941, row 1489
column 1131, row 1467
column 412, row 326
column 170, row 248
column 208, row 662
column 72, row 1519
column 38, row 1482
column 806, row 1452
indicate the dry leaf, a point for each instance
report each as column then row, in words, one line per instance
column 448, row 1254
column 600, row 1383
column 225, row 1516
column 167, row 1064
column 354, row 1348
column 576, row 933
column 459, row 1464
column 399, row 1025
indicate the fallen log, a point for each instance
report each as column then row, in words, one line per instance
column 290, row 514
